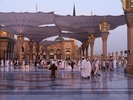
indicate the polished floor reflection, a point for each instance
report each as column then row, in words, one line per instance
column 21, row 85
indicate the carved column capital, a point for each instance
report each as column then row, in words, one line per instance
column 37, row 47
column 129, row 18
column 104, row 36
column 86, row 44
column 30, row 44
column 20, row 38
column 91, row 44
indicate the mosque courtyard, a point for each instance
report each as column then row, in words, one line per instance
column 21, row 84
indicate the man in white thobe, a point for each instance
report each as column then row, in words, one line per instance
column 114, row 63
column 83, row 68
column 97, row 71
column 2, row 63
column 87, row 69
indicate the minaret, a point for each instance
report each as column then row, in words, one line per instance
column 91, row 13
column 36, row 8
column 74, row 12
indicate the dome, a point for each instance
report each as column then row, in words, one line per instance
column 59, row 39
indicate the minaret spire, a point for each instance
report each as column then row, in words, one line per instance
column 36, row 8
column 91, row 13
column 74, row 12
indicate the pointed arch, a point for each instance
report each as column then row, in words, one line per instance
column 58, row 54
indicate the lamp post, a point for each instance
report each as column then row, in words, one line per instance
column 31, row 50
column 82, row 49
column 37, row 51
column 108, row 56
column 104, row 28
column 91, row 40
column 86, row 47
column 121, row 52
column 20, row 42
column 116, row 53
column 42, row 51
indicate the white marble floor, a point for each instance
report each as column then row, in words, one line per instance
column 37, row 85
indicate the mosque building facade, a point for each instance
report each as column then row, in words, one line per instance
column 65, row 49
column 7, row 42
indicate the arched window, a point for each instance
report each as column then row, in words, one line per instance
column 51, row 54
column 58, row 54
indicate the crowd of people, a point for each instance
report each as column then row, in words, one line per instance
column 88, row 68
column 94, row 67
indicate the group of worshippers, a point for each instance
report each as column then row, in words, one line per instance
column 6, row 63
column 88, row 69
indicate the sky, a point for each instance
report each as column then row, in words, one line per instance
column 117, row 39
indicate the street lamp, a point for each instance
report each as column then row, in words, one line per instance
column 104, row 26
column 127, row 5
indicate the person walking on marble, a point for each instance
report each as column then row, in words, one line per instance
column 87, row 69
column 53, row 68
column 97, row 71
column 72, row 64
column 83, row 68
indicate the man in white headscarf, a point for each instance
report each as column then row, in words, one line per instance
column 114, row 63
column 83, row 68
column 97, row 71
column 88, row 69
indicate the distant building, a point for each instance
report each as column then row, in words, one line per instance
column 7, row 43
column 9, row 49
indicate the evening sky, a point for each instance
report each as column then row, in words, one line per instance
column 117, row 39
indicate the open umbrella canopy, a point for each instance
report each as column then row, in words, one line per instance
column 37, row 34
column 79, row 37
column 77, row 27
column 20, row 22
column 8, row 29
column 87, row 24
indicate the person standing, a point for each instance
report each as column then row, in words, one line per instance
column 88, row 69
column 83, row 67
column 97, row 71
column 72, row 64
column 103, row 65
column 53, row 68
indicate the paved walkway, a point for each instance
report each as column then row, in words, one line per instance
column 21, row 85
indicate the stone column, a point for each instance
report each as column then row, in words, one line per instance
column 121, row 52
column 129, row 20
column 104, row 28
column 104, row 42
column 20, row 42
column 83, row 49
column 112, row 54
column 31, row 50
column 116, row 53
column 92, row 49
column 91, row 40
column 86, row 47
column 128, row 10
column 108, row 56
column 37, row 51
column 79, row 52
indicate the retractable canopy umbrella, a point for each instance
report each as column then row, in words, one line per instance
column 87, row 24
column 47, row 43
column 21, row 22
